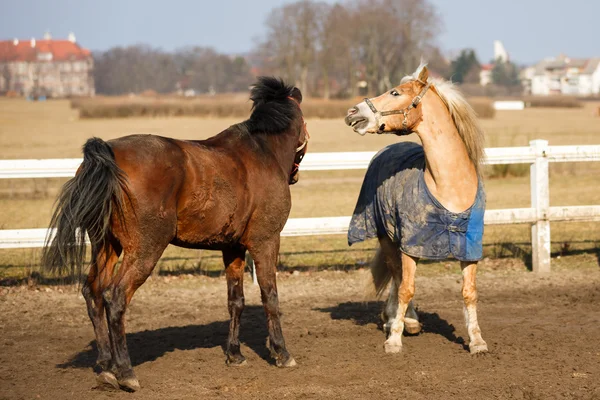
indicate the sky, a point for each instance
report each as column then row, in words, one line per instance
column 530, row 29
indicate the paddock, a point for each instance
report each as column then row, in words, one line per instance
column 542, row 332
column 542, row 329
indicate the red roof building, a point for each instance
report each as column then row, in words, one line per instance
column 54, row 68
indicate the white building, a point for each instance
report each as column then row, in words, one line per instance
column 500, row 55
column 563, row 75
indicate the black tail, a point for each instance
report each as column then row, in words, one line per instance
column 85, row 205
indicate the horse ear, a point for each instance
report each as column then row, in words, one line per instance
column 297, row 94
column 424, row 74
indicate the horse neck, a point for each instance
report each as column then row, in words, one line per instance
column 449, row 172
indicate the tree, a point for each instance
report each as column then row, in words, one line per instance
column 137, row 68
column 206, row 70
column 134, row 69
column 335, row 56
column 383, row 39
column 505, row 74
column 465, row 68
column 293, row 39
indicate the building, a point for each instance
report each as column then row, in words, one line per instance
column 47, row 67
column 564, row 76
column 485, row 74
column 500, row 55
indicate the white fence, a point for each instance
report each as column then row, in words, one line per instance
column 539, row 215
column 509, row 105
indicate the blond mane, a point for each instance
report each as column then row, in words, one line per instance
column 463, row 115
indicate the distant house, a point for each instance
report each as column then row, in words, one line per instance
column 563, row 75
column 53, row 68
column 485, row 74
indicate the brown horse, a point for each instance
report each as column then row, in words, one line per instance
column 137, row 194
column 421, row 201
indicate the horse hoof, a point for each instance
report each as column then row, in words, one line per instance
column 392, row 347
column 412, row 326
column 236, row 361
column 478, row 348
column 130, row 384
column 290, row 362
column 107, row 380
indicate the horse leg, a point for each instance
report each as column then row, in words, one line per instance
column 411, row 318
column 469, row 292
column 99, row 276
column 136, row 268
column 406, row 292
column 391, row 256
column 265, row 259
column 234, row 260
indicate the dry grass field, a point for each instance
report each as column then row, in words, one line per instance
column 53, row 129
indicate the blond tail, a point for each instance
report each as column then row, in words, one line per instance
column 381, row 274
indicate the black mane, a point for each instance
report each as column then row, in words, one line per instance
column 272, row 109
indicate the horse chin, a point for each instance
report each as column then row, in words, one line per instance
column 401, row 132
column 294, row 178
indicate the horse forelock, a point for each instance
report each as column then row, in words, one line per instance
column 463, row 115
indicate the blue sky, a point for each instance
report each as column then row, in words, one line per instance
column 529, row 29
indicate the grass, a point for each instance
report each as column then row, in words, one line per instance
column 52, row 129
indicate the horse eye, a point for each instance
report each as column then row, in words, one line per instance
column 394, row 93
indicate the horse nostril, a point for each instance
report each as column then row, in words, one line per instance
column 352, row 111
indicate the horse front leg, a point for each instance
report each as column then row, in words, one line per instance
column 406, row 292
column 469, row 292
column 265, row 259
column 234, row 260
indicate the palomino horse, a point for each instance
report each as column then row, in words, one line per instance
column 421, row 201
column 136, row 194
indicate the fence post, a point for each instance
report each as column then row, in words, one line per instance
column 252, row 267
column 540, row 200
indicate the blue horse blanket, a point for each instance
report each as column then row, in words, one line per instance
column 395, row 201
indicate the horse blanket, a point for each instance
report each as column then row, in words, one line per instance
column 395, row 201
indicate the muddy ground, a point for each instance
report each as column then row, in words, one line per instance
column 543, row 333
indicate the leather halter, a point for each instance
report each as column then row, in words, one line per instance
column 378, row 114
column 302, row 148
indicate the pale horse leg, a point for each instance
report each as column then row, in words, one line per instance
column 405, row 293
column 469, row 292
column 390, row 255
column 411, row 318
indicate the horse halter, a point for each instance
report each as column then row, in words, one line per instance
column 302, row 148
column 378, row 114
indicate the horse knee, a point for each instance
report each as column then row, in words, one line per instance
column 469, row 295
column 114, row 298
column 406, row 293
column 236, row 304
column 271, row 302
column 86, row 291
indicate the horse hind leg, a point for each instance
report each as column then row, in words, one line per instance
column 99, row 276
column 136, row 268
column 406, row 292
column 389, row 258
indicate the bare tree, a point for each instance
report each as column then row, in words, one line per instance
column 134, row 69
column 293, row 39
column 335, row 56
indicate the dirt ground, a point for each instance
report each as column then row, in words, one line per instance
column 543, row 333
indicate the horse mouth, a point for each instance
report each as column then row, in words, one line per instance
column 357, row 123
